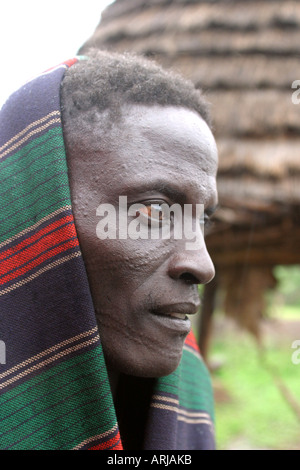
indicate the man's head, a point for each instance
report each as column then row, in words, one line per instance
column 132, row 129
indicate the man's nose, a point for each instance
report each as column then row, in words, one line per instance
column 191, row 265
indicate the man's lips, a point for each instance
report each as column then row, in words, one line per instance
column 174, row 317
column 180, row 316
column 177, row 310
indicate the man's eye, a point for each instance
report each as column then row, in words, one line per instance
column 205, row 219
column 153, row 212
column 206, row 222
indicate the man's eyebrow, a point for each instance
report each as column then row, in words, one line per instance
column 163, row 187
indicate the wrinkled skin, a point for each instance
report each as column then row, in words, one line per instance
column 137, row 284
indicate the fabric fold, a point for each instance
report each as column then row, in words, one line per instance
column 54, row 388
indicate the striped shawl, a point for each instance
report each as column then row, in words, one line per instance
column 54, row 389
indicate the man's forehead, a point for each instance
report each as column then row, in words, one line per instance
column 159, row 126
column 169, row 139
column 150, row 120
column 137, row 120
column 153, row 144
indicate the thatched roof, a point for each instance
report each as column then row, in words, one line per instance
column 244, row 54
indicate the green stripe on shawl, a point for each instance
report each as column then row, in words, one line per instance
column 195, row 390
column 50, row 172
column 68, row 406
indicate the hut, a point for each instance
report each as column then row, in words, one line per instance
column 245, row 55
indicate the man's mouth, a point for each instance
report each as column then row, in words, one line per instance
column 175, row 316
column 181, row 316
column 178, row 310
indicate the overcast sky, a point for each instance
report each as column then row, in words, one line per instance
column 37, row 34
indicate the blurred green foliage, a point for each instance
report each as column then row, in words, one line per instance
column 288, row 288
column 257, row 386
column 252, row 412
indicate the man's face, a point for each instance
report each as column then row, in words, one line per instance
column 143, row 289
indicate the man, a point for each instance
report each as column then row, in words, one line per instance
column 137, row 142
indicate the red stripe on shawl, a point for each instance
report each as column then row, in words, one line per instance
column 28, row 241
column 191, row 341
column 62, row 236
column 113, row 443
column 68, row 63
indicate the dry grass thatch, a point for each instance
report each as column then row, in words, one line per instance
column 245, row 55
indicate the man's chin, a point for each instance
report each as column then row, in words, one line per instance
column 147, row 367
